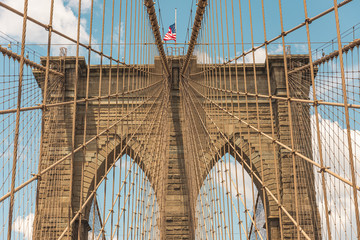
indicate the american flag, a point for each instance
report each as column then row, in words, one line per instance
column 171, row 34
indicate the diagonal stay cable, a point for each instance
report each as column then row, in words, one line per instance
column 291, row 99
column 155, row 28
column 75, row 150
column 217, row 153
column 110, row 168
column 114, row 95
column 201, row 5
column 47, row 27
column 303, row 24
column 28, row 61
column 280, row 143
column 254, row 174
column 137, row 153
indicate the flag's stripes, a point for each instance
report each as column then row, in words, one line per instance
column 171, row 34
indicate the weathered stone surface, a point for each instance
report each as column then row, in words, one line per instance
column 55, row 205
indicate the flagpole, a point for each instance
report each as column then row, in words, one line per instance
column 175, row 25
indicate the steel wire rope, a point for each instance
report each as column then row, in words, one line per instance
column 258, row 178
column 100, row 181
column 217, row 150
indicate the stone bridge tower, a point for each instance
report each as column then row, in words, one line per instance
column 177, row 204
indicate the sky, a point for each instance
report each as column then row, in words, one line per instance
column 66, row 13
column 321, row 31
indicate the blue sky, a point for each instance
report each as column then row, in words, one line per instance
column 293, row 15
column 322, row 30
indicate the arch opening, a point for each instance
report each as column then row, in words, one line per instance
column 229, row 204
column 125, row 205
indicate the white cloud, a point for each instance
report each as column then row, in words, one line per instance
column 116, row 40
column 64, row 21
column 328, row 82
column 300, row 49
column 259, row 54
column 336, row 156
column 124, row 162
column 74, row 4
column 220, row 174
column 24, row 225
column 202, row 57
column 275, row 50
